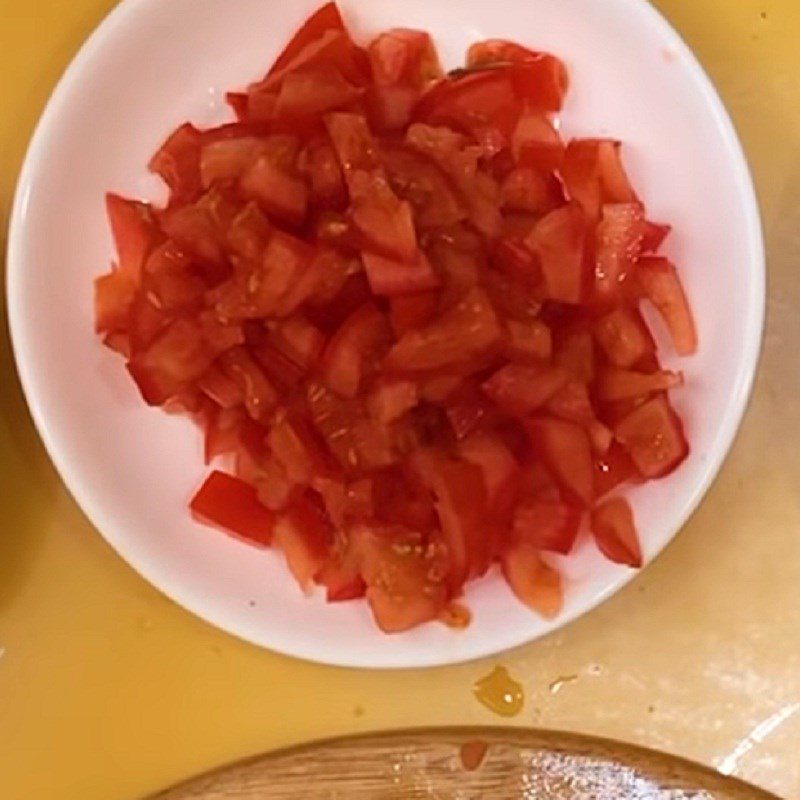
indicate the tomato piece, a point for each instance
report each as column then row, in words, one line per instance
column 660, row 284
column 327, row 188
column 403, row 573
column 248, row 233
column 389, row 400
column 341, row 578
column 346, row 502
column 620, row 384
column 312, row 91
column 354, row 350
column 298, row 448
column 389, row 278
column 514, row 259
column 566, row 451
column 411, row 311
column 178, row 163
column 618, row 244
column 559, row 240
column 403, row 63
column 276, row 490
column 326, row 18
column 114, row 294
column 612, row 469
column 615, row 533
column 536, row 143
column 260, row 396
column 572, row 403
column 385, row 223
column 520, row 389
column 176, row 356
column 653, row 436
column 300, row 340
column 233, row 505
column 575, row 354
column 623, row 336
column 653, row 236
column 526, row 189
column 224, row 391
column 467, row 408
column 356, row 441
column 418, row 179
column 280, row 193
column 593, row 175
column 528, row 342
column 304, row 534
column 134, row 230
column 547, row 525
column 513, row 299
column 534, row 583
column 461, row 505
column 227, row 159
column 468, row 330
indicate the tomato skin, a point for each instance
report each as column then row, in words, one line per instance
column 233, row 504
column 653, row 436
column 615, row 532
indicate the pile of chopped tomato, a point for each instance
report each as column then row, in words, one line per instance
column 410, row 311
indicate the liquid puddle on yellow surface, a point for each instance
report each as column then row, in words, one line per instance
column 500, row 693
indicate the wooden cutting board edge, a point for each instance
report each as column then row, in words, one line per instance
column 368, row 757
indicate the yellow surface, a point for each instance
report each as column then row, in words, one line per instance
column 107, row 690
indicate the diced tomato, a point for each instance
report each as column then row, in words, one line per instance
column 511, row 298
column 411, row 311
column 461, row 505
column 233, row 504
column 313, row 91
column 325, row 176
column 304, row 534
column 618, row 246
column 653, row 436
column 227, row 159
column 354, row 349
column 661, row 285
column 612, row 469
column 418, row 179
column 575, row 354
column 520, row 389
column 298, row 448
column 341, row 578
column 615, row 532
column 572, row 403
column 178, row 163
column 547, row 525
column 620, row 384
column 389, row 278
column 515, row 260
column 389, row 400
column 526, row 189
column 536, row 143
column 260, row 397
column 593, row 175
column 401, row 498
column 324, row 19
column 528, row 342
column 404, row 575
column 134, row 230
column 566, row 450
column 224, row 391
column 299, row 340
column 114, row 294
column 468, row 330
column 346, row 502
column 276, row 490
column 279, row 192
column 653, row 236
column 624, row 337
column 249, row 233
column 534, row 583
column 385, row 223
column 559, row 240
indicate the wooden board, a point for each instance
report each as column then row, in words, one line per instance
column 429, row 765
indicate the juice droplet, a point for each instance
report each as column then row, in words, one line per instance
column 500, row 693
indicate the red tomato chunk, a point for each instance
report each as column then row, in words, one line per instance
column 405, row 306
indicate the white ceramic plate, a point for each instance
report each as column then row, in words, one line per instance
column 153, row 64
